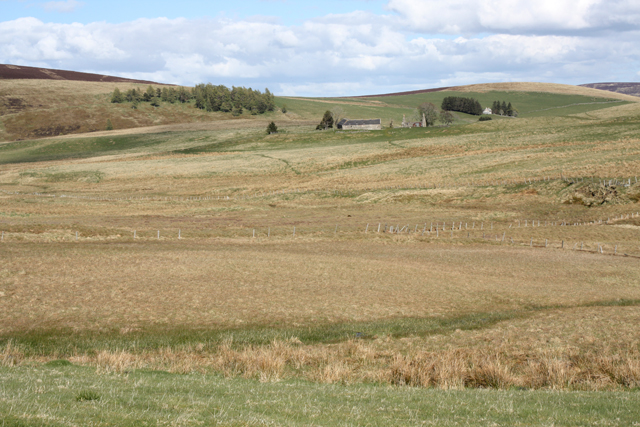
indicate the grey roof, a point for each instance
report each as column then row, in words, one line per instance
column 347, row 122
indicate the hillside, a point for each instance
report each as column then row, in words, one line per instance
column 632, row 89
column 34, row 108
column 20, row 72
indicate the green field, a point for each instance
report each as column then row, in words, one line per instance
column 53, row 396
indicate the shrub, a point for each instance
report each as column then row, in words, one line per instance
column 484, row 118
column 272, row 128
column 86, row 395
column 109, row 125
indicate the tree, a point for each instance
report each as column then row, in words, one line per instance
column 149, row 94
column 117, row 96
column 503, row 108
column 327, row 121
column 430, row 112
column 284, row 108
column 272, row 128
column 155, row 102
column 109, row 125
column 509, row 110
column 446, row 117
column 337, row 113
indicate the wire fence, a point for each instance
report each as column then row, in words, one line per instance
column 444, row 232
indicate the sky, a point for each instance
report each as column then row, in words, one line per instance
column 329, row 48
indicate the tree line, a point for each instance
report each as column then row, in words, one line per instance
column 207, row 97
column 152, row 95
column 221, row 98
column 463, row 105
column 503, row 109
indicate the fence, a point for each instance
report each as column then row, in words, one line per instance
column 445, row 231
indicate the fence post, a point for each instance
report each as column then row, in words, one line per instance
column 379, row 224
column 269, row 232
column 367, row 229
column 563, row 244
column 531, row 244
column 76, row 235
column 158, row 234
column 134, row 234
column 294, row 231
column 179, row 234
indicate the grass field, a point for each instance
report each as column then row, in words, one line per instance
column 209, row 273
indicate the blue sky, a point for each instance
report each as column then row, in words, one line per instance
column 118, row 11
column 331, row 47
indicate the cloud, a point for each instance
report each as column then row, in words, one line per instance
column 346, row 54
column 67, row 6
column 516, row 16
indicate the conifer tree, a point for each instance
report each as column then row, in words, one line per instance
column 117, row 96
column 272, row 128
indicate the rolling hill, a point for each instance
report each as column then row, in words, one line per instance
column 19, row 72
column 624, row 88
column 37, row 103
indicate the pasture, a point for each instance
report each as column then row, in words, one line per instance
column 401, row 266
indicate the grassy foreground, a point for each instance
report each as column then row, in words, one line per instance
column 60, row 394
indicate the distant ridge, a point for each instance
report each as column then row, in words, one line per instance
column 627, row 88
column 19, row 72
column 412, row 92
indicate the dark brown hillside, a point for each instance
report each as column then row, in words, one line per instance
column 18, row 72
column 628, row 88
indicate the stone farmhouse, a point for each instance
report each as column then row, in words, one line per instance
column 360, row 124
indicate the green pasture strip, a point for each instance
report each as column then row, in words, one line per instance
column 64, row 343
column 528, row 104
column 55, row 396
column 40, row 151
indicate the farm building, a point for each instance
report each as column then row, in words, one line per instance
column 366, row 124
column 487, row 111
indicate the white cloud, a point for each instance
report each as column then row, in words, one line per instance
column 516, row 16
column 67, row 6
column 355, row 53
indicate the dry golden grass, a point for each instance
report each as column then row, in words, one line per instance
column 218, row 277
column 582, row 348
column 225, row 283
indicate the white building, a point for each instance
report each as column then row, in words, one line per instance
column 487, row 111
column 368, row 124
